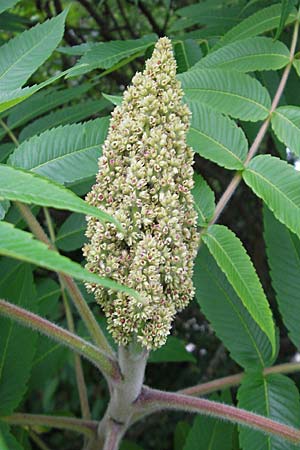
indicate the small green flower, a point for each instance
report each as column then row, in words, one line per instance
column 145, row 179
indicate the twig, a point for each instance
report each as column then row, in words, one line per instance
column 86, row 427
column 38, row 441
column 9, row 132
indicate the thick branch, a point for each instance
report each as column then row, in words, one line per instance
column 64, row 337
column 179, row 402
column 86, row 427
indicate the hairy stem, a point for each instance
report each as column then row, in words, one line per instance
column 113, row 436
column 180, row 402
column 64, row 337
column 86, row 427
column 75, row 294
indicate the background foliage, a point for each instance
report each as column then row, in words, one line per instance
column 62, row 71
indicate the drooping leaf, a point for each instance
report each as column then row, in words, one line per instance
column 258, row 23
column 70, row 236
column 64, row 154
column 208, row 433
column 278, row 184
column 286, row 125
column 204, row 199
column 247, row 55
column 187, row 53
column 274, row 396
column 43, row 102
column 27, row 187
column 20, row 245
column 7, row 439
column 106, row 54
column 233, row 260
column 6, row 4
column 173, row 351
column 17, row 344
column 216, row 137
column 247, row 343
column 229, row 92
column 283, row 251
column 70, row 114
column 22, row 55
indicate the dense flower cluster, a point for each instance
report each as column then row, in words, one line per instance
column 144, row 180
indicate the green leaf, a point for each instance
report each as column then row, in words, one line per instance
column 8, row 99
column 71, row 236
column 208, row 433
column 181, row 432
column 283, row 251
column 278, row 184
column 7, row 439
column 70, row 114
column 27, row 187
column 228, row 92
column 216, row 137
column 6, row 4
column 264, row 20
column 18, row 345
column 233, row 260
column 20, row 245
column 64, row 154
column 4, row 207
column 106, row 54
column 274, row 396
column 286, row 7
column 173, row 351
column 248, row 55
column 204, row 199
column 114, row 99
column 76, row 50
column 5, row 150
column 187, row 53
column 228, row 316
column 286, row 125
column 43, row 102
column 21, row 56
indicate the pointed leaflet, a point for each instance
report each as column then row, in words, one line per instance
column 17, row 344
column 64, row 154
column 264, row 20
column 27, row 187
column 204, row 199
column 232, row 323
column 274, row 396
column 21, row 56
column 229, row 92
column 43, row 102
column 69, row 114
column 208, row 433
column 283, row 250
column 106, row 54
column 286, row 125
column 216, row 137
column 248, row 55
column 233, row 260
column 21, row 245
column 70, row 235
column 278, row 184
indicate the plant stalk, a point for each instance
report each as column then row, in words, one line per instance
column 86, row 349
column 180, row 402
